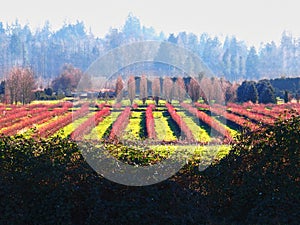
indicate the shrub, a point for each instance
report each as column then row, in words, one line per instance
column 209, row 121
column 120, row 124
column 183, row 127
column 258, row 182
column 89, row 124
column 150, row 126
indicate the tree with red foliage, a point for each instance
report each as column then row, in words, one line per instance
column 131, row 89
column 156, row 90
column 119, row 89
column 180, row 89
column 168, row 89
column 194, row 90
column 68, row 79
column 143, row 89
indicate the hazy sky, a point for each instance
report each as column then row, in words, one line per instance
column 254, row 21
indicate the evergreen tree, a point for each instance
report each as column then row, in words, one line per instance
column 266, row 92
column 247, row 92
column 226, row 63
column 286, row 96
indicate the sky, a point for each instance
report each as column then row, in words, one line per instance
column 252, row 21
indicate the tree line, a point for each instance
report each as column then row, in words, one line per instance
column 46, row 51
column 176, row 88
column 21, row 86
column 207, row 89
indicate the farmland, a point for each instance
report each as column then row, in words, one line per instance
column 168, row 123
column 44, row 162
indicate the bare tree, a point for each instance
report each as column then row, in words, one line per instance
column 156, row 90
column 131, row 89
column 119, row 89
column 19, row 85
column 12, row 85
column 27, row 84
column 143, row 89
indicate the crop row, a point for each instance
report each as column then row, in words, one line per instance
column 89, row 124
column 150, row 126
column 242, row 122
column 208, row 120
column 120, row 124
column 239, row 110
column 13, row 110
column 16, row 117
column 182, row 125
column 45, row 116
column 222, row 111
column 63, row 121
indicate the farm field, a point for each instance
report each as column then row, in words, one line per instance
column 168, row 124
column 52, row 166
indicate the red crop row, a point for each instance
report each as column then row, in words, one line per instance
column 150, row 122
column 240, row 110
column 221, row 110
column 283, row 109
column 89, row 124
column 255, row 108
column 120, row 124
column 271, row 110
column 18, row 116
column 102, row 105
column 208, row 120
column 182, row 125
column 45, row 116
column 13, row 109
column 263, row 111
column 204, row 106
column 61, row 122
column 234, row 118
column 117, row 106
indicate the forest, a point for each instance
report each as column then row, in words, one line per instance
column 46, row 51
